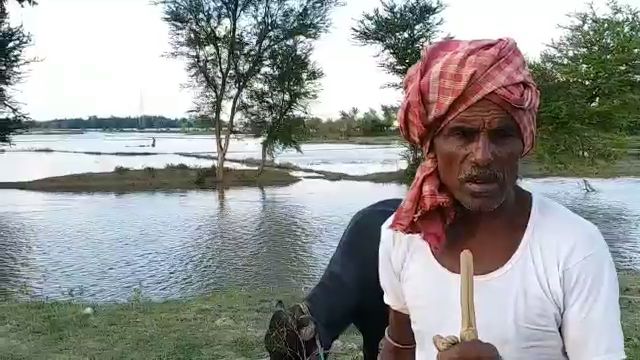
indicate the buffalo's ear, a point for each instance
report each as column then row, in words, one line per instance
column 279, row 305
column 306, row 328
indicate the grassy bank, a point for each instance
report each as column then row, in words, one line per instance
column 224, row 325
column 627, row 166
column 178, row 177
column 356, row 140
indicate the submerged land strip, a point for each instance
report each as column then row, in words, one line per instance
column 150, row 179
column 182, row 177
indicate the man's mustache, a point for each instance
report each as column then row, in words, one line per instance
column 477, row 174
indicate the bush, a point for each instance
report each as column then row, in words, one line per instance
column 120, row 170
column 177, row 167
column 203, row 174
column 414, row 157
column 150, row 171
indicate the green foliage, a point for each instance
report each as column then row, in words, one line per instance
column 120, row 170
column 413, row 156
column 203, row 174
column 277, row 102
column 351, row 124
column 400, row 29
column 151, row 172
column 590, row 86
column 177, row 166
column 13, row 43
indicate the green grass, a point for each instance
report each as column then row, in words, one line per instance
column 175, row 177
column 223, row 325
column 627, row 166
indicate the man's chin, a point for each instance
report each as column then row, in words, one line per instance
column 483, row 205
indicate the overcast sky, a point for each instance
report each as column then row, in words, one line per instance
column 105, row 57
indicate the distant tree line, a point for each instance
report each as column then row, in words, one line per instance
column 113, row 122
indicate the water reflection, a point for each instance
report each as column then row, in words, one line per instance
column 188, row 243
column 16, row 263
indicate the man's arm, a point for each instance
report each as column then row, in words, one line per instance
column 591, row 327
column 400, row 332
column 399, row 342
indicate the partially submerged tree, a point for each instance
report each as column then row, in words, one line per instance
column 277, row 104
column 400, row 29
column 13, row 42
column 590, row 86
column 227, row 42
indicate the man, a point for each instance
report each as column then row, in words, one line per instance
column 545, row 283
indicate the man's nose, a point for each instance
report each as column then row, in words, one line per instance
column 483, row 150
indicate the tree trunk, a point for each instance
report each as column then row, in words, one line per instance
column 220, row 153
column 264, row 158
column 220, row 169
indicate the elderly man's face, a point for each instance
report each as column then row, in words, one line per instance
column 478, row 155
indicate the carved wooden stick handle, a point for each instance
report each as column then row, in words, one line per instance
column 468, row 330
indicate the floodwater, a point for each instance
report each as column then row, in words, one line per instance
column 100, row 247
column 24, row 166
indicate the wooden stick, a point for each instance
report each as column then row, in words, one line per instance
column 468, row 329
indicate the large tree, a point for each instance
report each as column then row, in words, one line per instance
column 400, row 29
column 226, row 44
column 277, row 103
column 13, row 42
column 590, row 86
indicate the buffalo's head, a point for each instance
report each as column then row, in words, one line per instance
column 291, row 334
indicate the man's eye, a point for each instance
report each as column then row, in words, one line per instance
column 502, row 134
column 464, row 134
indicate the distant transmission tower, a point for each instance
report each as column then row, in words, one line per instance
column 141, row 110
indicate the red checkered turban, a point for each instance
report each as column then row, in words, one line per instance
column 451, row 76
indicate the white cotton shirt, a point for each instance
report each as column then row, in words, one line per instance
column 556, row 298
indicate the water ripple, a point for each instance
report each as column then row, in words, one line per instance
column 101, row 247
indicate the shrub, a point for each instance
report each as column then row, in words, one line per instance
column 203, row 174
column 150, row 171
column 177, row 167
column 120, row 170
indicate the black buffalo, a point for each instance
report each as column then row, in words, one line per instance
column 348, row 293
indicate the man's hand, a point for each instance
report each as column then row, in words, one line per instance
column 471, row 350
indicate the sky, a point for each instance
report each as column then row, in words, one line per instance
column 107, row 57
